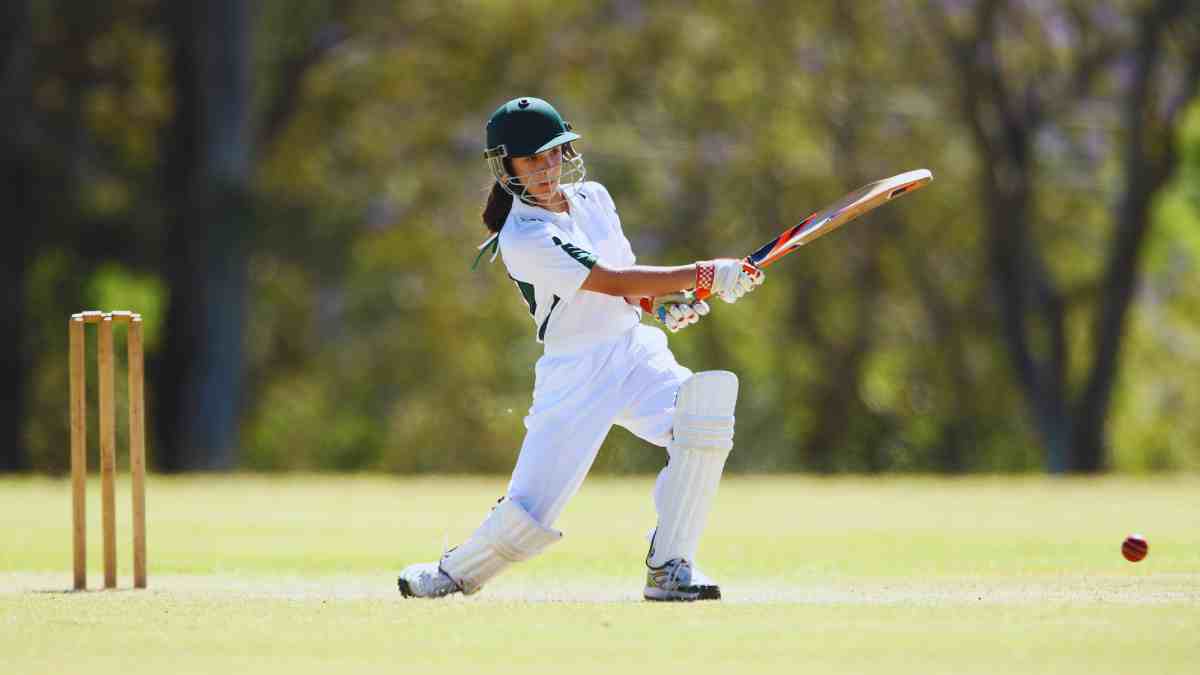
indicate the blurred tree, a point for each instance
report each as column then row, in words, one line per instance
column 71, row 167
column 1028, row 72
column 207, row 172
column 209, row 165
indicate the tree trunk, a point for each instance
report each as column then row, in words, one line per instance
column 207, row 186
column 1149, row 157
column 17, row 205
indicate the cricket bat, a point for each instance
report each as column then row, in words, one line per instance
column 830, row 218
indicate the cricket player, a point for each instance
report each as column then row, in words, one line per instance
column 565, row 251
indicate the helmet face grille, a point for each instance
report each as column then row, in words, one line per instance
column 571, row 177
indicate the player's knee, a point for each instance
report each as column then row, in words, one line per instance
column 704, row 410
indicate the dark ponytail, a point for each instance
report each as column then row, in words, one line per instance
column 499, row 203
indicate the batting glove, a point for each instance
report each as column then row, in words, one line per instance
column 677, row 310
column 727, row 277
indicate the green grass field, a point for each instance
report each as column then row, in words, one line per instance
column 297, row 575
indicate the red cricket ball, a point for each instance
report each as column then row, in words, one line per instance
column 1135, row 547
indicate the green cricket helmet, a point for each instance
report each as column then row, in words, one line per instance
column 524, row 127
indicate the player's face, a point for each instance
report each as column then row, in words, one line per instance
column 540, row 173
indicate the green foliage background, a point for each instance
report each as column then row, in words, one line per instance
column 372, row 347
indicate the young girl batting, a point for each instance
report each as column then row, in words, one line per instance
column 563, row 245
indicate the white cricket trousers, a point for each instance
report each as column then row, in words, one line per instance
column 631, row 381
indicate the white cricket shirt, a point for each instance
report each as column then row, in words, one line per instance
column 549, row 255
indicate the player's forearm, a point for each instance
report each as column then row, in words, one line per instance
column 640, row 280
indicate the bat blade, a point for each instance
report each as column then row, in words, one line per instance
column 853, row 205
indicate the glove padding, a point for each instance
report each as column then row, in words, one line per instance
column 677, row 310
column 729, row 278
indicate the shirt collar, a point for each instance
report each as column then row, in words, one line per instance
column 521, row 208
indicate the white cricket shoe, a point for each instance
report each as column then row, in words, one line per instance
column 426, row 580
column 670, row 583
column 704, row 587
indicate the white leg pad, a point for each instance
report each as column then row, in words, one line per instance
column 702, row 439
column 508, row 535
